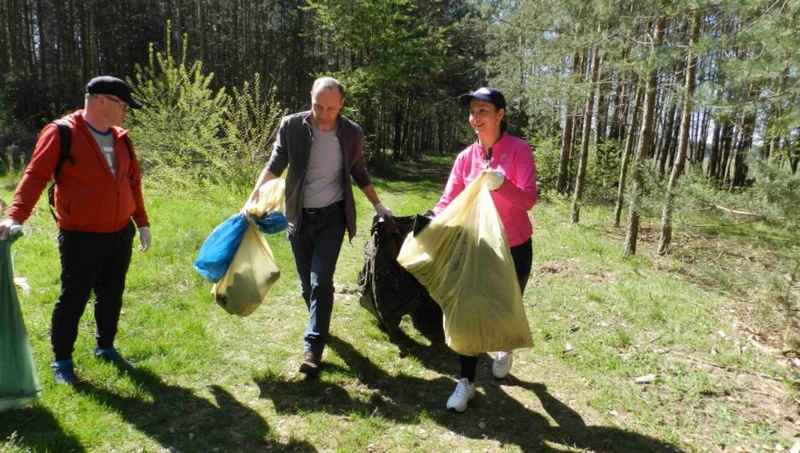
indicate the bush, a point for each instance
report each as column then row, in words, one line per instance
column 603, row 174
column 182, row 123
column 773, row 194
column 251, row 122
column 546, row 146
column 188, row 136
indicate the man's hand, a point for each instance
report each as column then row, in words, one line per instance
column 382, row 210
column 6, row 225
column 250, row 203
column 494, row 179
column 144, row 238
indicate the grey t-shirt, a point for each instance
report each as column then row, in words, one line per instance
column 106, row 144
column 324, row 180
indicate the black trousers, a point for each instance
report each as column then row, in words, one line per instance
column 90, row 262
column 522, row 255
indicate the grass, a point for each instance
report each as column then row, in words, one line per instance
column 709, row 322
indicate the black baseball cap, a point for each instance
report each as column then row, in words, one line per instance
column 485, row 94
column 113, row 86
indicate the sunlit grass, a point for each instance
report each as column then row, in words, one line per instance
column 207, row 381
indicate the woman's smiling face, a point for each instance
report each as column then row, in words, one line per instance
column 484, row 118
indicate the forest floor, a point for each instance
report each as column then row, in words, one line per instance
column 695, row 351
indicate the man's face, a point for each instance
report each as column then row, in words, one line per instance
column 115, row 109
column 325, row 107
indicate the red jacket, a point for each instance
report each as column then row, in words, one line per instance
column 87, row 195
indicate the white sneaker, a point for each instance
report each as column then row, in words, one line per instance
column 461, row 396
column 501, row 365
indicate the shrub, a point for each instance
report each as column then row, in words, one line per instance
column 546, row 146
column 251, row 123
column 189, row 136
column 181, row 126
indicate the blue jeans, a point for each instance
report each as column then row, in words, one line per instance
column 316, row 249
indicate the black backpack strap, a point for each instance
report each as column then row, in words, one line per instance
column 65, row 139
column 127, row 141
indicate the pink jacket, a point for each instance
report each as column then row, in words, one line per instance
column 514, row 198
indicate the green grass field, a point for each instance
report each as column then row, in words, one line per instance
column 694, row 352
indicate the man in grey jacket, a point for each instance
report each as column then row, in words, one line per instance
column 323, row 150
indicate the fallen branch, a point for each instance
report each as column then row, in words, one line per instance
column 654, row 340
column 737, row 212
column 726, row 368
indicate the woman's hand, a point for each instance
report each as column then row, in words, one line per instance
column 494, row 179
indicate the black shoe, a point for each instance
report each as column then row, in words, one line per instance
column 310, row 365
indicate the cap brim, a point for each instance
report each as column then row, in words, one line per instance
column 465, row 98
column 134, row 104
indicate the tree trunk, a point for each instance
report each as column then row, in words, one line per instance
column 44, row 46
column 666, row 141
column 700, row 144
column 626, row 155
column 683, row 141
column 632, row 233
column 726, row 140
column 713, row 155
column 659, row 119
column 398, row 128
column 745, row 143
column 602, row 107
column 587, row 129
column 566, row 142
column 777, row 112
column 619, row 115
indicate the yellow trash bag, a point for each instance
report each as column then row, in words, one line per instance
column 250, row 276
column 253, row 270
column 463, row 259
column 270, row 198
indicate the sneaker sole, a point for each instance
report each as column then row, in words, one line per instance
column 309, row 369
column 457, row 410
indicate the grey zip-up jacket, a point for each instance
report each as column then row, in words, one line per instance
column 292, row 149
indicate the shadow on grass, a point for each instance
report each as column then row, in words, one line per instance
column 180, row 420
column 37, row 429
column 492, row 415
column 413, row 177
column 423, row 170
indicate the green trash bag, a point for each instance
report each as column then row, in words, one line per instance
column 19, row 383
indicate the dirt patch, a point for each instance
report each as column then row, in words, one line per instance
column 345, row 288
column 571, row 268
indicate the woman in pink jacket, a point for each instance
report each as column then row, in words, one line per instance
column 512, row 180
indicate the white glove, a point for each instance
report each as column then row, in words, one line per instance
column 494, row 179
column 382, row 210
column 144, row 238
column 5, row 226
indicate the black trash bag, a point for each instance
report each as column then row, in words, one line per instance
column 388, row 291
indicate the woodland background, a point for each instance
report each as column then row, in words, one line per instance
column 618, row 98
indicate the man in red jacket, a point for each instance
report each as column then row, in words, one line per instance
column 97, row 193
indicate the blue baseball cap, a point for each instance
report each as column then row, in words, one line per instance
column 485, row 94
